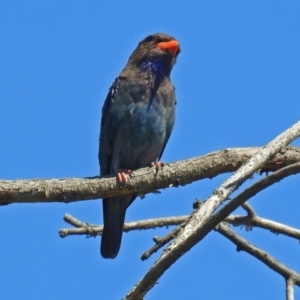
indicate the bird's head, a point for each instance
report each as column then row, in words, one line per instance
column 157, row 52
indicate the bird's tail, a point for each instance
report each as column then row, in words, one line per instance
column 114, row 210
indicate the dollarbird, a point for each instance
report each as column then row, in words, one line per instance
column 137, row 119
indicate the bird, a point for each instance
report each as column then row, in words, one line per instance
column 137, row 119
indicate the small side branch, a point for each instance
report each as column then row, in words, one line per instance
column 160, row 242
column 249, row 221
column 90, row 229
column 243, row 245
column 256, row 221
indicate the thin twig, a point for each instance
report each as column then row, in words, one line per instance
column 86, row 228
column 243, row 245
column 247, row 207
column 160, row 242
column 236, row 220
column 93, row 230
column 256, row 221
column 75, row 222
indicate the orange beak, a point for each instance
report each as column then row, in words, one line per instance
column 171, row 46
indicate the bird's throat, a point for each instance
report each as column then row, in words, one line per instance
column 154, row 67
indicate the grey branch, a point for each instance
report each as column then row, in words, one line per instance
column 82, row 228
column 160, row 242
column 243, row 245
column 143, row 181
column 252, row 191
column 196, row 228
column 252, row 220
column 88, row 229
column 289, row 288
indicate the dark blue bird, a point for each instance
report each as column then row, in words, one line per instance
column 137, row 119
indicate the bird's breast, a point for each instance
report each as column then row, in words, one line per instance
column 142, row 131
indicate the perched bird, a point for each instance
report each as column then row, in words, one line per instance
column 137, row 119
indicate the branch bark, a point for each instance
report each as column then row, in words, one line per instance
column 289, row 288
column 91, row 229
column 143, row 181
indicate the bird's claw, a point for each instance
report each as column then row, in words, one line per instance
column 122, row 175
column 157, row 164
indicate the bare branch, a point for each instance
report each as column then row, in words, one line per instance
column 143, row 181
column 263, row 256
column 247, row 207
column 197, row 227
column 81, row 227
column 160, row 242
column 275, row 227
column 86, row 228
column 236, row 220
column 289, row 288
column 75, row 222
column 253, row 190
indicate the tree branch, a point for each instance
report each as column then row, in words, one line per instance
column 143, row 181
column 252, row 191
column 197, row 227
column 243, row 245
column 289, row 288
column 252, row 220
column 249, row 221
column 88, row 229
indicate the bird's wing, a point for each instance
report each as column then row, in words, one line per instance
column 107, row 132
column 114, row 110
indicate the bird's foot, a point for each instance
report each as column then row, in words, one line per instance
column 122, row 175
column 157, row 164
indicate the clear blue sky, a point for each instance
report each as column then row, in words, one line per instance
column 237, row 84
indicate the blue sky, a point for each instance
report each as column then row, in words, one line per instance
column 237, row 85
